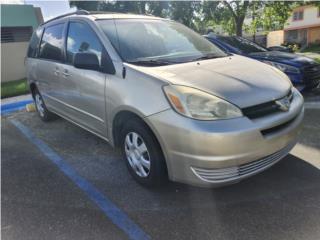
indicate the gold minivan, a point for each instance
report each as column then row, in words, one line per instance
column 178, row 106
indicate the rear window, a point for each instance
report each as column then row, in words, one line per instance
column 52, row 43
column 244, row 45
column 34, row 43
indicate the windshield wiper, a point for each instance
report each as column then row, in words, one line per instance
column 151, row 62
column 208, row 56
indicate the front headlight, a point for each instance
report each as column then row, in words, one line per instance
column 199, row 105
column 283, row 67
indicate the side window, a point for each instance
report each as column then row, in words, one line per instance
column 81, row 38
column 52, row 42
column 109, row 28
column 34, row 42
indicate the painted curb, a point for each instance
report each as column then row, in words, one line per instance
column 16, row 106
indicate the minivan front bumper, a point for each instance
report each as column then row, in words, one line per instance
column 215, row 153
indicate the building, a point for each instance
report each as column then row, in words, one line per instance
column 275, row 38
column 303, row 26
column 17, row 24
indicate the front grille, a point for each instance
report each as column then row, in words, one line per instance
column 277, row 128
column 311, row 75
column 264, row 109
column 233, row 173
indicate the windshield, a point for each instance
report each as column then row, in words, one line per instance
column 244, row 45
column 161, row 41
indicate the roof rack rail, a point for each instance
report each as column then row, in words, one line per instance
column 78, row 12
column 102, row 12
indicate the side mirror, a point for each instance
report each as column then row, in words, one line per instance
column 86, row 60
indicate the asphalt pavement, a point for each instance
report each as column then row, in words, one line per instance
column 61, row 182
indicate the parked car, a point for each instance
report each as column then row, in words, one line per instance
column 281, row 49
column 177, row 106
column 303, row 72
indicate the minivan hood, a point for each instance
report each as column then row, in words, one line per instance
column 283, row 57
column 239, row 80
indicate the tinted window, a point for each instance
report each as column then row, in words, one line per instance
column 142, row 39
column 34, row 42
column 52, row 42
column 244, row 45
column 81, row 38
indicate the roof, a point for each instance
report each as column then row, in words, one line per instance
column 102, row 15
column 121, row 16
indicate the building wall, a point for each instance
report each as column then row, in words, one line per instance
column 39, row 16
column 18, row 15
column 13, row 53
column 275, row 38
column 310, row 18
column 12, row 61
column 314, row 35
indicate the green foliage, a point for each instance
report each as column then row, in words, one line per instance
column 216, row 15
column 138, row 7
column 185, row 12
column 315, row 48
column 201, row 15
column 14, row 88
column 275, row 14
column 294, row 46
column 158, row 8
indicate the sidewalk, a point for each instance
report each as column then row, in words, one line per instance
column 312, row 55
column 16, row 99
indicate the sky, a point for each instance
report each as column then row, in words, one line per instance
column 49, row 8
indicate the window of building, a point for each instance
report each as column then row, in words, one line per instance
column 52, row 43
column 292, row 36
column 34, row 43
column 81, row 38
column 15, row 34
column 298, row 15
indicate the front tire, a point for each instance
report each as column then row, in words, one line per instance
column 143, row 154
column 42, row 110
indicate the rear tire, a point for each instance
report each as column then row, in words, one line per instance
column 143, row 154
column 42, row 110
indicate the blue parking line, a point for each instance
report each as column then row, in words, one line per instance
column 116, row 215
column 16, row 106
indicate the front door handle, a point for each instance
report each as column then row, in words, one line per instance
column 56, row 72
column 66, row 73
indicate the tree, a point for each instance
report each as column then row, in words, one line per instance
column 158, row 8
column 215, row 14
column 184, row 12
column 138, row 7
column 85, row 5
column 276, row 13
column 238, row 10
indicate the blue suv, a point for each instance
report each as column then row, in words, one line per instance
column 304, row 72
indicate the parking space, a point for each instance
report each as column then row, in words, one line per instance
column 40, row 201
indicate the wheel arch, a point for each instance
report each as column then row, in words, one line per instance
column 118, row 122
column 33, row 88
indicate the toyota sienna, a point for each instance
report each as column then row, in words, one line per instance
column 179, row 107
